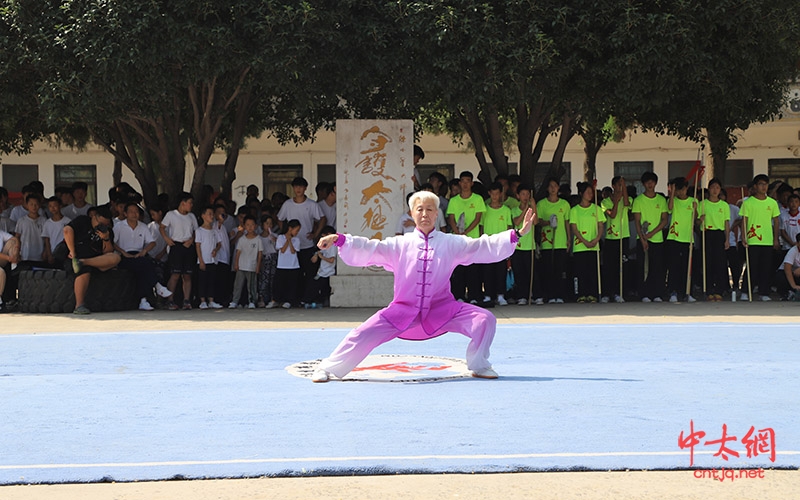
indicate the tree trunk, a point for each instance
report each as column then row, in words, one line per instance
column 721, row 144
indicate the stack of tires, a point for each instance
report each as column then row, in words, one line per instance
column 51, row 291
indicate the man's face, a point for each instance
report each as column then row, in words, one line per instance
column 54, row 207
column 524, row 196
column 496, row 195
column 424, row 215
column 650, row 185
column 98, row 220
column 552, row 189
column 465, row 183
column 32, row 205
column 186, row 206
column 132, row 213
column 761, row 187
column 79, row 195
column 299, row 191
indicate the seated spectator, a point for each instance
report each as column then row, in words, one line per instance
column 133, row 240
column 8, row 256
column 79, row 204
column 5, row 212
column 53, row 229
column 787, row 277
column 29, row 231
column 90, row 244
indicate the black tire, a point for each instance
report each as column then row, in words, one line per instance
column 51, row 291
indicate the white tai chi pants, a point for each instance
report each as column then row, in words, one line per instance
column 472, row 321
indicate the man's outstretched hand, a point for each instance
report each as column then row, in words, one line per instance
column 327, row 241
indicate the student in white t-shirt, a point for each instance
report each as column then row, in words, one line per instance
column 29, row 231
column 53, row 229
column 288, row 274
column 79, row 204
column 787, row 277
column 246, row 262
column 790, row 223
column 178, row 229
column 132, row 241
column 318, row 289
column 208, row 242
column 311, row 219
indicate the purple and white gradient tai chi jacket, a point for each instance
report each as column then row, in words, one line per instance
column 422, row 266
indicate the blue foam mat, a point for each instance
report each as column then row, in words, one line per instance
column 149, row 406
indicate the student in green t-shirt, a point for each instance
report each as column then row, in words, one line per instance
column 760, row 223
column 616, row 209
column 683, row 213
column 586, row 226
column 554, row 221
column 521, row 261
column 496, row 220
column 650, row 216
column 715, row 219
column 464, row 214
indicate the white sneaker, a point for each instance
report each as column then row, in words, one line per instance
column 559, row 301
column 539, row 301
column 233, row 305
column 522, row 302
column 203, row 305
column 251, row 306
column 690, row 299
column 286, row 305
column 214, row 305
column 765, row 298
column 743, row 297
column 163, row 291
column 485, row 373
column 604, row 300
column 501, row 301
column 551, row 301
column 673, row 298
column 618, row 299
column 646, row 300
column 145, row 306
column 657, row 299
column 320, row 375
column 271, row 304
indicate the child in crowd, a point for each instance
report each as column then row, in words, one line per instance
column 790, row 223
column 522, row 260
column 683, row 213
column 497, row 219
column 208, row 244
column 288, row 272
column 405, row 224
column 29, row 231
column 224, row 230
column 178, row 229
column 586, row 222
column 79, row 204
column 318, row 289
column 53, row 229
column 715, row 217
column 616, row 207
column 246, row 263
column 554, row 219
column 9, row 257
column 761, row 225
column 269, row 264
column 650, row 216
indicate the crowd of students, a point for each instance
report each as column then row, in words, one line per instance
column 263, row 256
column 606, row 246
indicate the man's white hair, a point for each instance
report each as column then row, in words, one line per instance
column 423, row 196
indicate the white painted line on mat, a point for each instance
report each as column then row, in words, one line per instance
column 367, row 458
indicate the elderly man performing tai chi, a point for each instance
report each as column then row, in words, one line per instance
column 423, row 306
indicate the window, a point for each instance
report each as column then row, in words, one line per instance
column 784, row 169
column 680, row 169
column 540, row 174
column 326, row 172
column 278, row 179
column 66, row 175
column 632, row 171
column 16, row 176
column 425, row 170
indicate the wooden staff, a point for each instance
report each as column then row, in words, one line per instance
column 747, row 263
column 530, row 285
column 691, row 238
column 703, row 241
column 596, row 209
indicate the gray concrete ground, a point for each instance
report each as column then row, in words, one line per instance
column 598, row 485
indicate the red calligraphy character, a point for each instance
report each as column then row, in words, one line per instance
column 764, row 442
column 724, row 451
column 690, row 441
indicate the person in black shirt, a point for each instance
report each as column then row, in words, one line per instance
column 90, row 241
